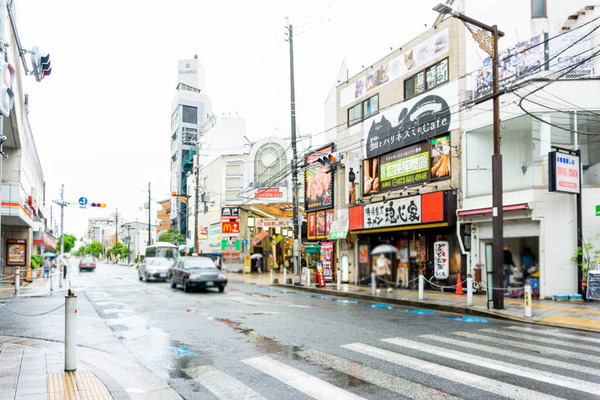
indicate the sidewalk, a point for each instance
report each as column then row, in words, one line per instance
column 564, row 314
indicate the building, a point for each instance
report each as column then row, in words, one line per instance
column 191, row 112
column 164, row 216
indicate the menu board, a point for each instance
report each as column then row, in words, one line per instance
column 593, row 285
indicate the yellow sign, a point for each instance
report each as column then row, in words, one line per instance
column 247, row 268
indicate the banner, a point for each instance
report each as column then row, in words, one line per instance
column 406, row 167
column 403, row 211
column 319, row 182
column 352, row 178
column 328, row 260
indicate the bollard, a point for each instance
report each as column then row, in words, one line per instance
column 339, row 280
column 469, row 290
column 17, row 280
column 307, row 277
column 51, row 279
column 285, row 275
column 373, row 284
column 421, row 286
column 60, row 276
column 271, row 273
column 527, row 298
column 70, row 332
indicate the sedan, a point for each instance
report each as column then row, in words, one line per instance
column 156, row 268
column 87, row 263
column 196, row 272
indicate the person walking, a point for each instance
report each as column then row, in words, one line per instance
column 46, row 267
column 65, row 264
column 384, row 271
column 259, row 265
column 508, row 266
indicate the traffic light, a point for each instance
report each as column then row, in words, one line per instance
column 7, row 78
column 329, row 159
column 41, row 63
column 101, row 205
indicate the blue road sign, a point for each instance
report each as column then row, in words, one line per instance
column 83, row 201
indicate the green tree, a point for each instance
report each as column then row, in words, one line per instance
column 79, row 252
column 172, row 236
column 69, row 242
column 120, row 250
column 94, row 248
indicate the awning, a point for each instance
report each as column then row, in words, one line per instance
column 339, row 229
column 481, row 211
column 312, row 249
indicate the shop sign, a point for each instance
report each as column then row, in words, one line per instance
column 327, row 260
column 563, row 172
column 319, row 182
column 273, row 222
column 230, row 244
column 598, row 211
column 352, row 178
column 420, row 118
column 268, row 193
column 258, row 238
column 214, row 235
column 231, row 227
column 404, row 211
column 339, row 229
column 16, row 252
column 230, row 212
column 409, row 166
column 441, row 257
column 363, row 251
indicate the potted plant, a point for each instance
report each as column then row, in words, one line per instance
column 589, row 257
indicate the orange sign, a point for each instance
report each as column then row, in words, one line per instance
column 230, row 227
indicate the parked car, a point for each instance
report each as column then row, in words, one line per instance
column 196, row 272
column 156, row 268
column 87, row 263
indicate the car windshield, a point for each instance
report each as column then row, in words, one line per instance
column 199, row 263
column 88, row 260
column 158, row 261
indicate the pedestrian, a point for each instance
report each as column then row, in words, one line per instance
column 65, row 263
column 259, row 265
column 384, row 271
column 508, row 266
column 46, row 267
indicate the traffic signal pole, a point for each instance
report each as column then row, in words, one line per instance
column 3, row 56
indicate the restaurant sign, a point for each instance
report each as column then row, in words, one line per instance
column 404, row 211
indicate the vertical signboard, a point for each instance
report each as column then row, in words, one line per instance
column 563, row 172
column 327, row 260
column 441, row 260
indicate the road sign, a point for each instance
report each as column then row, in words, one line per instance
column 83, row 201
column 230, row 227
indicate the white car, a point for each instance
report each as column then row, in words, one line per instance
column 155, row 268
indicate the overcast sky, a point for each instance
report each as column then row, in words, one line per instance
column 101, row 121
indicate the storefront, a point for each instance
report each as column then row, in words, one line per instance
column 414, row 225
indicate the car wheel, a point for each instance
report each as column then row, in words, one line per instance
column 221, row 289
column 140, row 277
column 186, row 287
column 173, row 284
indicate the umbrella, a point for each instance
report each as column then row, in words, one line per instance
column 49, row 254
column 383, row 248
column 255, row 256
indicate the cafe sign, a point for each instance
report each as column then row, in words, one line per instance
column 404, row 211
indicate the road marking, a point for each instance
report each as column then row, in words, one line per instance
column 514, row 354
column 440, row 371
column 572, row 321
column 529, row 346
column 580, row 338
column 525, row 372
column 307, row 384
column 578, row 346
column 220, row 384
column 395, row 384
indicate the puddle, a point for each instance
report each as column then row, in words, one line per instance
column 320, row 297
column 181, row 351
column 183, row 358
column 469, row 319
column 378, row 306
column 347, row 301
column 420, row 312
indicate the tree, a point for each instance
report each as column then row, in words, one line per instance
column 172, row 236
column 69, row 242
column 95, row 248
column 80, row 251
column 120, row 251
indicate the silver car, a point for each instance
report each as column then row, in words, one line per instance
column 155, row 268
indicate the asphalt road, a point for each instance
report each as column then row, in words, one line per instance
column 261, row 342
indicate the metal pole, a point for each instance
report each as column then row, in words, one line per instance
column 338, row 269
column 295, row 205
column 373, row 283
column 421, row 286
column 62, row 233
column 149, row 236
column 17, row 280
column 497, row 208
column 469, row 289
column 3, row 12
column 70, row 332
column 527, row 297
column 579, row 232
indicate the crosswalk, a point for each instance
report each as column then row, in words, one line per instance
column 514, row 362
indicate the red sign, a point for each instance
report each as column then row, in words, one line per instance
column 258, row 238
column 269, row 192
column 230, row 227
column 312, row 226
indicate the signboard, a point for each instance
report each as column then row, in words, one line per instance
column 268, row 193
column 593, row 285
column 321, row 225
column 404, row 211
column 83, row 201
column 406, row 167
column 327, row 260
column 230, row 212
column 16, row 252
column 352, row 178
column 230, row 227
column 214, row 235
column 230, row 244
column 598, row 211
column 203, row 234
column 312, row 226
column 440, row 158
column 258, row 238
column 273, row 222
column 441, row 266
column 418, row 119
column 339, row 229
column 563, row 172
column 319, row 182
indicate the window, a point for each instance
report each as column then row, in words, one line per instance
column 426, row 80
column 363, row 110
column 189, row 114
column 538, row 8
column 232, row 183
column 232, row 195
column 235, row 169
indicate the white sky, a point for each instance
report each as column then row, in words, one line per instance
column 101, row 121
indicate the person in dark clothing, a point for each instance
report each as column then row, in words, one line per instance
column 508, row 265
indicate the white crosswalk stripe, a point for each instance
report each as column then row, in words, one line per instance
column 299, row 380
column 466, row 378
column 525, row 372
column 555, row 334
column 220, row 384
column 395, row 384
column 558, row 342
column 513, row 354
column 529, row 346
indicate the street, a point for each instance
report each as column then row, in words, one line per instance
column 260, row 342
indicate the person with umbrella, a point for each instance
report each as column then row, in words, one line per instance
column 384, row 271
column 46, row 267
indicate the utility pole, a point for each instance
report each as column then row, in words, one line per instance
column 295, row 212
column 197, row 202
column 149, row 219
column 3, row 12
column 62, row 219
column 116, row 233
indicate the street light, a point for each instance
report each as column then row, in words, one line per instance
column 487, row 38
